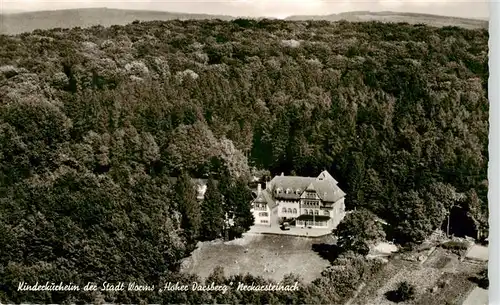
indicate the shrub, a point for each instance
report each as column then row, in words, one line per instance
column 482, row 279
column 455, row 245
column 404, row 292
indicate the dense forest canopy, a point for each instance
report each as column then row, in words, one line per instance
column 94, row 121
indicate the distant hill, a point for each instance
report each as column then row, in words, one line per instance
column 412, row 18
column 15, row 23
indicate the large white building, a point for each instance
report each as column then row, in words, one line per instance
column 304, row 201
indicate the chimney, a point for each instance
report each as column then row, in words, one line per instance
column 267, row 185
column 259, row 189
column 282, row 174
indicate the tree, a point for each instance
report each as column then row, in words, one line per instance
column 240, row 198
column 189, row 207
column 358, row 230
column 212, row 212
column 404, row 292
column 478, row 212
column 398, row 112
column 482, row 279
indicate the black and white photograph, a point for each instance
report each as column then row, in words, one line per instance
column 244, row 152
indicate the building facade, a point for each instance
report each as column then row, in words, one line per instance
column 262, row 207
column 304, row 201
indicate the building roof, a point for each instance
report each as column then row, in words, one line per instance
column 195, row 181
column 260, row 197
column 199, row 183
column 324, row 185
column 266, row 198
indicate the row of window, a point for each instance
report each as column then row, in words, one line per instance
column 263, row 214
column 314, row 203
column 294, row 211
column 279, row 190
column 264, row 221
column 306, row 212
column 310, row 195
column 315, row 212
column 312, row 223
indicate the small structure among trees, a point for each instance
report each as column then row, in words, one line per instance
column 222, row 209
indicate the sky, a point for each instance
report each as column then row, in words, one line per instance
column 267, row 8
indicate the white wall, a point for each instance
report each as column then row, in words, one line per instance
column 338, row 212
column 259, row 219
column 288, row 205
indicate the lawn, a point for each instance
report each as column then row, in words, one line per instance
column 270, row 256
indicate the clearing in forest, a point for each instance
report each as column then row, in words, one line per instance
column 269, row 256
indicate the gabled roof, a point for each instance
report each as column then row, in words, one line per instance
column 324, row 185
column 325, row 175
column 327, row 188
column 260, row 198
column 266, row 198
column 311, row 187
column 292, row 182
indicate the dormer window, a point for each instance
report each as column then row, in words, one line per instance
column 278, row 190
column 288, row 191
column 297, row 192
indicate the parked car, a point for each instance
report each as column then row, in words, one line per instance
column 285, row 226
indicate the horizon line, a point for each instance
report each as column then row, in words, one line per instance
column 20, row 12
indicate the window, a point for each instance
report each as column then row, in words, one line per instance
column 297, row 191
column 263, row 214
column 284, row 210
column 316, row 212
column 310, row 212
column 305, row 211
column 294, row 211
column 289, row 210
column 264, row 221
column 288, row 191
column 326, row 213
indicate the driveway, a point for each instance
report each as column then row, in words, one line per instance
column 478, row 253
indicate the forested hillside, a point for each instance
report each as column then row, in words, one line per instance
column 94, row 121
column 412, row 18
column 16, row 23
